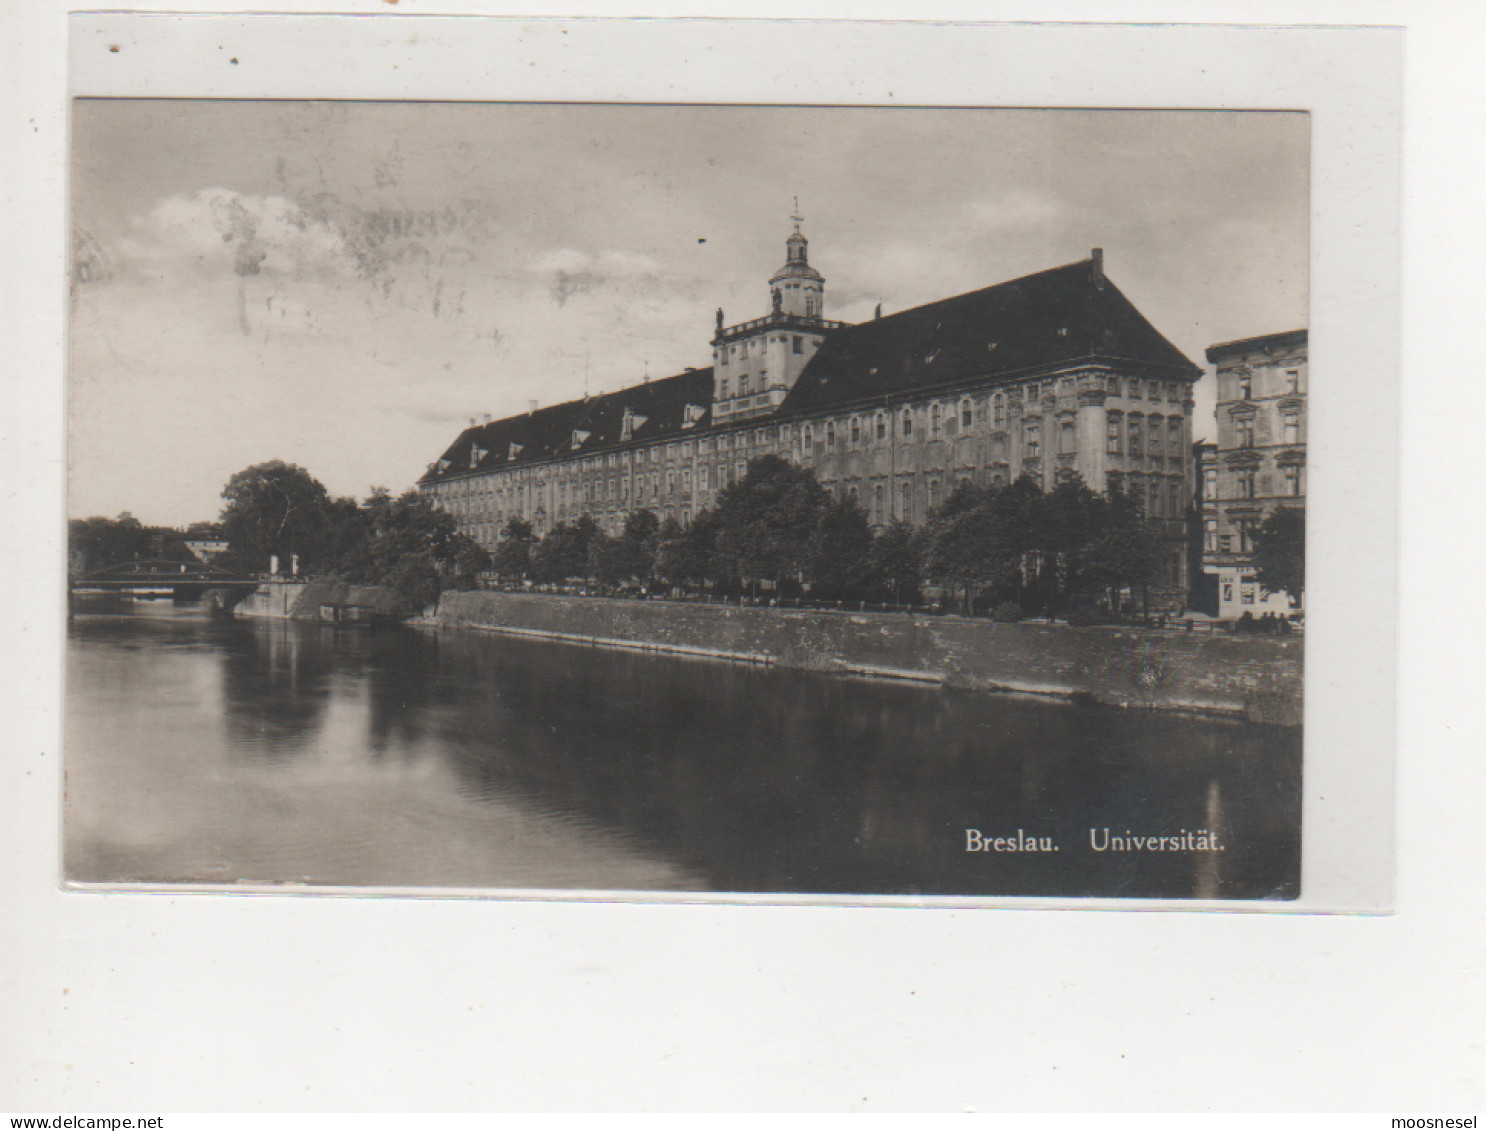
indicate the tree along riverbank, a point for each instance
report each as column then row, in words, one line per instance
column 1258, row 679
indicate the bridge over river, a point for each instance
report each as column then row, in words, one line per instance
column 158, row 576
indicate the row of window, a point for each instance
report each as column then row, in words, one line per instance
column 1247, row 484
column 1128, row 437
column 942, row 420
column 1136, row 436
column 1244, row 429
column 1240, row 541
column 1244, row 384
column 796, row 343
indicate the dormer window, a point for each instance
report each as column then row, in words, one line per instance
column 513, row 451
column 579, row 436
column 477, row 453
column 631, row 423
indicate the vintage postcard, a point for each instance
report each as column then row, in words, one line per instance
column 689, row 500
column 603, row 489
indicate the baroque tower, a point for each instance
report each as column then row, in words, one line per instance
column 754, row 364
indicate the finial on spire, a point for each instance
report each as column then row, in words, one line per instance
column 795, row 215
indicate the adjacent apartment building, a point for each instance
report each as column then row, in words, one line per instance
column 1257, row 464
column 1051, row 375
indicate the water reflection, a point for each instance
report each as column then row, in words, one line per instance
column 677, row 773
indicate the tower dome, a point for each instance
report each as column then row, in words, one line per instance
column 797, row 288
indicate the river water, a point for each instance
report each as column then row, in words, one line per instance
column 203, row 751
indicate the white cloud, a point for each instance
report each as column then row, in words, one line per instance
column 217, row 230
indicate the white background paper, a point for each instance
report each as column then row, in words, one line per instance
column 161, row 1003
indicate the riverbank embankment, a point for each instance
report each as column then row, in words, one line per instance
column 1255, row 678
column 303, row 600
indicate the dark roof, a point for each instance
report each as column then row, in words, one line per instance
column 549, row 432
column 1040, row 323
column 1285, row 339
column 1045, row 321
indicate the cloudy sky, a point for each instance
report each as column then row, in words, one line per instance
column 343, row 285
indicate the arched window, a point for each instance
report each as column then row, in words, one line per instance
column 934, row 419
column 856, row 430
column 881, row 420
column 967, row 413
column 830, row 435
column 998, row 411
column 908, row 422
column 933, row 494
column 905, row 501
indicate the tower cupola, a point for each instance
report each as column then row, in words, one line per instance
column 797, row 288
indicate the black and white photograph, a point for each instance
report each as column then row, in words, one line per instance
column 730, row 560
column 680, row 500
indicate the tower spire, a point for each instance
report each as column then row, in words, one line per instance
column 796, row 288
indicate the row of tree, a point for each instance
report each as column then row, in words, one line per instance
column 278, row 510
column 778, row 530
column 97, row 543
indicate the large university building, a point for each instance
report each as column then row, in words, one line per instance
column 1257, row 464
column 1051, row 375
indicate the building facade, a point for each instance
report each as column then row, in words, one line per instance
column 1258, row 463
column 1052, row 375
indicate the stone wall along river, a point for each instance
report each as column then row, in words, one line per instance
column 1257, row 678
